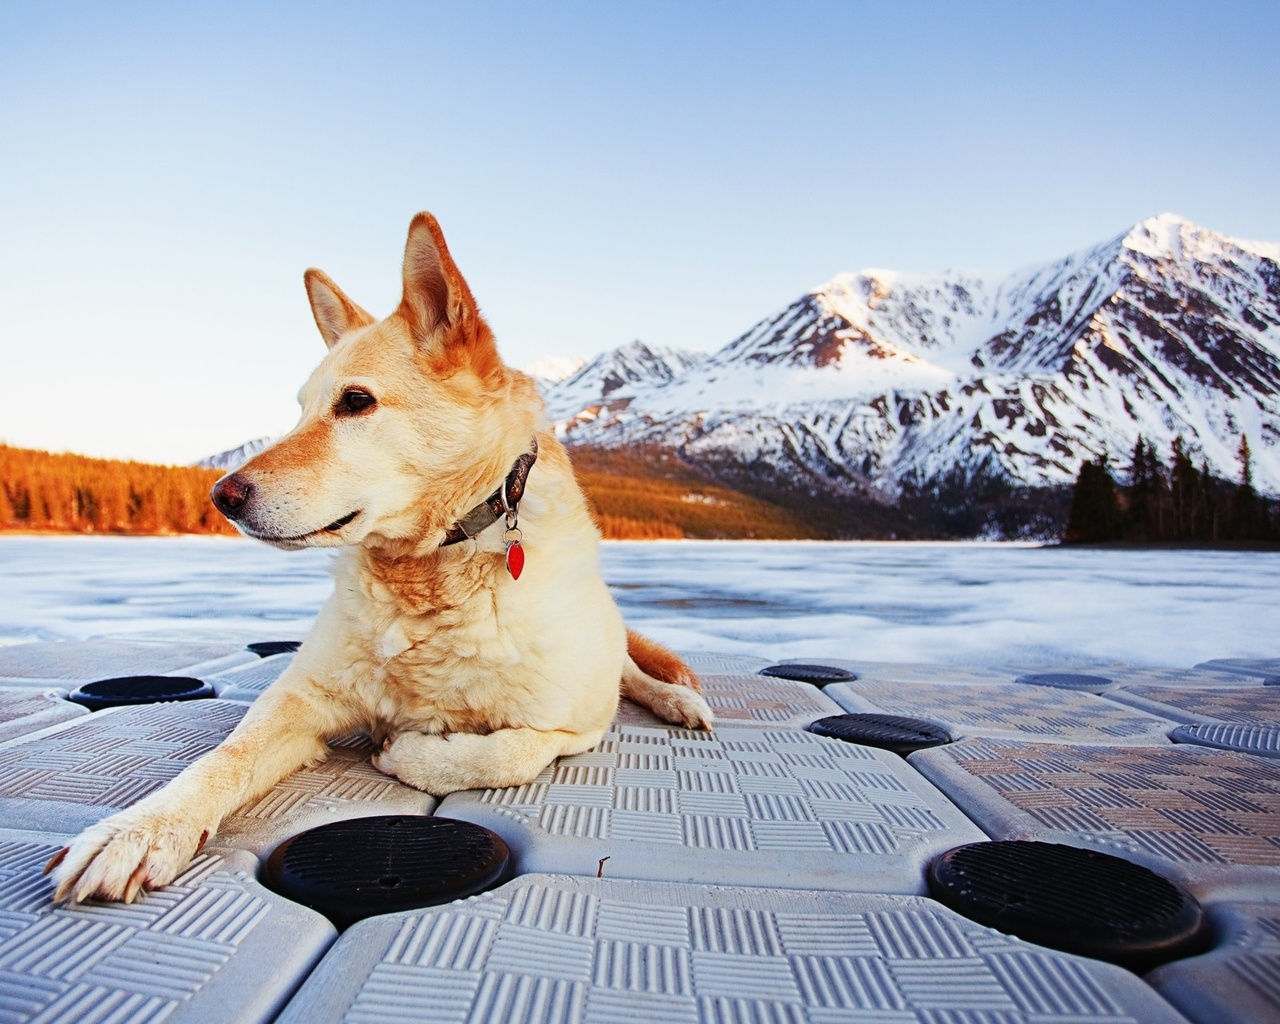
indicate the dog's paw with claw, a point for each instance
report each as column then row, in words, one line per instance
column 124, row 855
column 687, row 707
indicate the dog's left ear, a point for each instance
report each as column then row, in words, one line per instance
column 335, row 313
column 435, row 294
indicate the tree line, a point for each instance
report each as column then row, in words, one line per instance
column 42, row 492
column 1160, row 503
column 46, row 492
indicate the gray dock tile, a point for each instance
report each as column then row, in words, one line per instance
column 247, row 682
column 24, row 710
column 1238, row 705
column 82, row 661
column 715, row 661
column 344, row 785
column 1007, row 709
column 69, row 777
column 214, row 947
column 552, row 948
column 1145, row 675
column 1208, row 819
column 1238, row 981
column 751, row 700
column 741, row 806
column 1244, row 666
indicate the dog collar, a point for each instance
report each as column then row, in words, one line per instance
column 502, row 503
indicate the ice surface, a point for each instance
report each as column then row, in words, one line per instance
column 208, row 588
column 958, row 604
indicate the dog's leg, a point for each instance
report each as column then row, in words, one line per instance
column 149, row 844
column 463, row 760
column 658, row 680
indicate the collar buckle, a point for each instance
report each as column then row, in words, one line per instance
column 504, row 503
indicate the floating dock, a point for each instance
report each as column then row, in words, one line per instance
column 856, row 841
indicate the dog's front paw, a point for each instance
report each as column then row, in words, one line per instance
column 125, row 854
column 692, row 709
column 421, row 760
column 680, row 705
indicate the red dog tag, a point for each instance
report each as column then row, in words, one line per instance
column 515, row 559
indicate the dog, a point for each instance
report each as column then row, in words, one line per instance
column 470, row 633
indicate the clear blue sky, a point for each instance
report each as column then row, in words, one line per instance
column 604, row 171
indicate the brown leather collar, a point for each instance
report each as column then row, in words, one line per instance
column 499, row 504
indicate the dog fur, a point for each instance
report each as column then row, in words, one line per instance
column 467, row 677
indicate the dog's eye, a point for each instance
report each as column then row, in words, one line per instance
column 354, row 401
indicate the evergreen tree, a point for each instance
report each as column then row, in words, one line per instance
column 1247, row 520
column 1095, row 510
column 1141, row 517
column 1206, row 518
column 1187, row 494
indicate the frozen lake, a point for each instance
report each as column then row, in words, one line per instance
column 947, row 603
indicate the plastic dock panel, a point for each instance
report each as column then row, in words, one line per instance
column 83, row 661
column 1207, row 819
column 214, row 947
column 1007, row 709
column 548, row 948
column 1238, row 982
column 24, row 710
column 740, row 806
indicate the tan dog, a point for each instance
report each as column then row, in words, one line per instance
column 425, row 457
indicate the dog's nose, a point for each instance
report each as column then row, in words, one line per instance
column 230, row 494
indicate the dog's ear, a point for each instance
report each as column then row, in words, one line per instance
column 435, row 293
column 335, row 313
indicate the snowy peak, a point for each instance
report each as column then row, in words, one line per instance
column 1162, row 236
column 915, row 314
column 863, row 326
column 1170, row 237
column 617, row 374
column 808, row 333
column 635, row 363
column 553, row 369
column 234, row 458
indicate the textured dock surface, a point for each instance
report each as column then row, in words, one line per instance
column 757, row 873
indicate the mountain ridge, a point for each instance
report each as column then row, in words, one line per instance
column 877, row 380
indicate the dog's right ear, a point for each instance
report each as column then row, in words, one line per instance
column 335, row 314
column 435, row 294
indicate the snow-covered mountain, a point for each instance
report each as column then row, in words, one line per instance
column 236, row 457
column 875, row 378
column 621, row 371
column 553, row 369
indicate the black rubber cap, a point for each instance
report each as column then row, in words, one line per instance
column 125, row 690
column 889, row 732
column 818, row 675
column 1261, row 740
column 1078, row 901
column 350, row 870
column 266, row 648
column 1067, row 681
